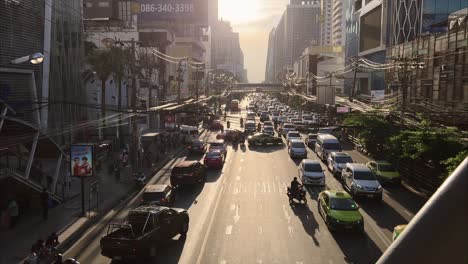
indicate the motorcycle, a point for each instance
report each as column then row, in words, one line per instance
column 139, row 178
column 300, row 196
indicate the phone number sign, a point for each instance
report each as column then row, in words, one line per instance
column 190, row 11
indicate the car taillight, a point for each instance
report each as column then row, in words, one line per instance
column 163, row 200
column 141, row 200
column 189, row 147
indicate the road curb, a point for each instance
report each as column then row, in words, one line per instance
column 68, row 242
column 412, row 190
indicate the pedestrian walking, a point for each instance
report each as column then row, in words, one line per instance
column 13, row 212
column 117, row 171
column 45, row 203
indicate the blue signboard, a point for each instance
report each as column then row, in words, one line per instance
column 190, row 11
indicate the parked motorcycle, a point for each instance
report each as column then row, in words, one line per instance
column 139, row 178
column 300, row 196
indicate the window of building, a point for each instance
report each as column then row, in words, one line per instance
column 125, row 12
column 357, row 5
column 88, row 4
column 368, row 1
column 104, row 4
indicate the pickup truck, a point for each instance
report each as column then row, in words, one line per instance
column 144, row 228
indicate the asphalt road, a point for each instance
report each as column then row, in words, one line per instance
column 242, row 215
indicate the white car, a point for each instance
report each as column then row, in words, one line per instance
column 311, row 172
column 287, row 127
column 336, row 161
column 293, row 135
column 218, row 144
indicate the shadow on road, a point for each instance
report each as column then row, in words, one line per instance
column 405, row 198
column 308, row 221
column 266, row 149
column 213, row 174
column 314, row 191
column 187, row 195
column 357, row 248
column 383, row 214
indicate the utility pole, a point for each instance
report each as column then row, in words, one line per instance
column 134, row 146
column 356, row 66
column 180, row 79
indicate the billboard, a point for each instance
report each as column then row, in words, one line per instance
column 81, row 160
column 190, row 11
column 169, row 121
column 371, row 30
column 377, row 96
column 342, row 109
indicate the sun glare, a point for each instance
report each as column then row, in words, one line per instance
column 239, row 11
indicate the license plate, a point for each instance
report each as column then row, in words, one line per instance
column 348, row 227
column 370, row 195
column 117, row 257
column 180, row 177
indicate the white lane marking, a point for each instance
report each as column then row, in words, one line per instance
column 299, row 262
column 291, row 230
column 222, row 262
column 259, row 261
column 376, row 229
column 240, row 169
column 279, row 187
column 238, row 178
column 264, row 187
column 268, row 184
column 286, row 214
column 241, row 160
column 233, row 207
column 237, row 216
column 260, row 230
column 228, row 229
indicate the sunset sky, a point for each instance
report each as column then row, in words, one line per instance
column 253, row 19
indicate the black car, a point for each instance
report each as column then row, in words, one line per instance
column 188, row 172
column 159, row 194
column 310, row 140
column 197, row 146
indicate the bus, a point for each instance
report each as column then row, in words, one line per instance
column 235, row 105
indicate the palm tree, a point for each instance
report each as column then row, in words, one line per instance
column 102, row 65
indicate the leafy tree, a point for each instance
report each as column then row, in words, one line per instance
column 452, row 163
column 430, row 144
column 372, row 130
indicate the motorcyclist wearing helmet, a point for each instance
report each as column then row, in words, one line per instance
column 241, row 122
column 228, row 124
column 295, row 186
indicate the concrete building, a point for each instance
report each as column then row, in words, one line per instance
column 440, row 88
column 270, row 62
column 227, row 53
column 39, row 104
column 298, row 28
column 368, row 36
column 326, row 37
column 339, row 22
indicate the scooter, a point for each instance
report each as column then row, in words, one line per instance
column 139, row 178
column 300, row 197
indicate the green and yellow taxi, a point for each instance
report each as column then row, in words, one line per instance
column 385, row 172
column 397, row 231
column 340, row 211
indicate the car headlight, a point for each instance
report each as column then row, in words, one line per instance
column 379, row 188
column 358, row 186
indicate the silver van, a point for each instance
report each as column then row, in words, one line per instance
column 326, row 144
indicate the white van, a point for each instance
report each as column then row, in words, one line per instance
column 191, row 132
column 325, row 145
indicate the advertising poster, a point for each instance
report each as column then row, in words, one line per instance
column 169, row 121
column 189, row 11
column 377, row 96
column 81, row 158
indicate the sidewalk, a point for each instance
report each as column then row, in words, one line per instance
column 65, row 219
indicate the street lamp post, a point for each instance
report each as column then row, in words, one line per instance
column 35, row 58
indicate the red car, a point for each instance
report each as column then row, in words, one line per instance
column 214, row 159
column 216, row 125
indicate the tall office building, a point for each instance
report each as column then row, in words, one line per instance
column 326, row 23
column 412, row 18
column 338, row 22
column 298, row 28
column 269, row 69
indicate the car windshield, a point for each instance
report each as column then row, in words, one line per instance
column 181, row 170
column 294, row 135
column 386, row 167
column 312, row 136
column 364, row 175
column 249, row 125
column 343, row 204
column 269, row 128
column 334, row 146
column 325, row 131
column 297, row 145
column 313, row 167
column 288, row 126
column 343, row 159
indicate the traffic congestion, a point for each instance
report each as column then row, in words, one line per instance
column 291, row 184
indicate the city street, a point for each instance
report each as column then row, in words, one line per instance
column 242, row 215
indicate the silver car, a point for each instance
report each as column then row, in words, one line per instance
column 311, row 172
column 361, row 181
column 336, row 161
column 297, row 149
